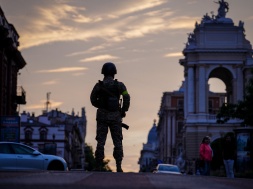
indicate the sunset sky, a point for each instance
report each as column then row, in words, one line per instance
column 66, row 42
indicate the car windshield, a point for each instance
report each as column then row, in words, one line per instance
column 168, row 168
column 19, row 149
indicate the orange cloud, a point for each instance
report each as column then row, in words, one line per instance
column 42, row 105
column 53, row 82
column 64, row 69
column 99, row 58
column 176, row 54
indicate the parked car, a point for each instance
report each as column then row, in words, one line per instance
column 16, row 156
column 167, row 168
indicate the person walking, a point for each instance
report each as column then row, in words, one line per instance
column 228, row 154
column 206, row 155
column 105, row 96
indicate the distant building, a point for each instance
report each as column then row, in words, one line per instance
column 170, row 129
column 56, row 133
column 148, row 159
column 11, row 61
column 170, row 125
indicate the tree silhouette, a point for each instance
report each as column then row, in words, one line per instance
column 242, row 110
column 91, row 162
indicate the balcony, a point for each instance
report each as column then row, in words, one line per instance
column 21, row 95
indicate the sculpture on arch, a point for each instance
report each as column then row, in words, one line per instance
column 223, row 9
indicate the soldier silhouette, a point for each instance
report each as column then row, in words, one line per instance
column 106, row 96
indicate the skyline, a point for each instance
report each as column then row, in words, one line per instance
column 65, row 43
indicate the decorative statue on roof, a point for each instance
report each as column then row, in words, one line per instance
column 223, row 9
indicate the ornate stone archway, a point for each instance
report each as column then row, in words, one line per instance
column 216, row 49
column 227, row 77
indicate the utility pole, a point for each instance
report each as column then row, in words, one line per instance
column 48, row 102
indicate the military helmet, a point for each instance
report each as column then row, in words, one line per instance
column 109, row 69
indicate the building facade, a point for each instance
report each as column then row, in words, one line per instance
column 56, row 133
column 11, row 61
column 217, row 48
column 148, row 159
column 171, row 125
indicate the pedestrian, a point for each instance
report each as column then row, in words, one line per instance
column 228, row 154
column 105, row 96
column 180, row 162
column 206, row 155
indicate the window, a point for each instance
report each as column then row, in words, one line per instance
column 180, row 125
column 28, row 135
column 180, row 103
column 43, row 135
column 210, row 106
column 20, row 149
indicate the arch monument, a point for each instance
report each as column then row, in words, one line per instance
column 217, row 48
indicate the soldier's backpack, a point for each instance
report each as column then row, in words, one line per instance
column 109, row 96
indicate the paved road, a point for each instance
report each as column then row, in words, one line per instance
column 102, row 180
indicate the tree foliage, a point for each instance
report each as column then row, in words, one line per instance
column 242, row 110
column 91, row 162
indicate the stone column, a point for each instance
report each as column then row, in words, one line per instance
column 168, row 138
column 202, row 90
column 190, row 90
column 239, row 84
column 174, row 124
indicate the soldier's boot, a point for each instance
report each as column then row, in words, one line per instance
column 118, row 165
column 99, row 165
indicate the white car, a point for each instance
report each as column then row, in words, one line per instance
column 167, row 168
column 16, row 156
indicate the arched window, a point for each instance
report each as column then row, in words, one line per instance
column 28, row 135
column 43, row 135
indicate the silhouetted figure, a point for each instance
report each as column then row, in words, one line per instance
column 206, row 154
column 106, row 96
column 228, row 153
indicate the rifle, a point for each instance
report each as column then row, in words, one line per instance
column 124, row 126
column 120, row 109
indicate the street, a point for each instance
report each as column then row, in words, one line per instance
column 104, row 180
